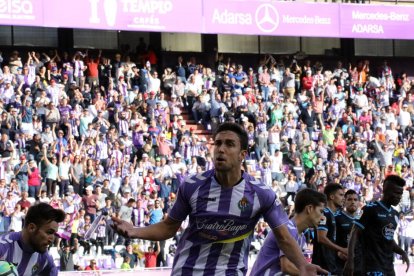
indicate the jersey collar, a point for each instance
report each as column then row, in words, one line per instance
column 385, row 207
column 329, row 210
column 347, row 214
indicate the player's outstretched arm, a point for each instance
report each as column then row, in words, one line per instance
column 162, row 230
column 288, row 267
column 403, row 254
column 292, row 251
column 349, row 264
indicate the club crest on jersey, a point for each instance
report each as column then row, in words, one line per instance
column 35, row 269
column 388, row 231
column 243, row 204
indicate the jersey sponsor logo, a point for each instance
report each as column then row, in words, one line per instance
column 382, row 215
column 227, row 226
column 243, row 204
column 388, row 231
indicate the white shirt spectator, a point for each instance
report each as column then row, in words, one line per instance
column 115, row 184
column 54, row 93
column 392, row 135
column 64, row 170
column 390, row 118
column 154, row 85
column 176, row 167
column 6, row 93
column 404, row 118
column 125, row 213
column 16, row 223
column 276, row 162
column 361, row 100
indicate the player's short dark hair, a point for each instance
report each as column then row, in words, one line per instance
column 393, row 180
column 351, row 192
column 233, row 127
column 43, row 213
column 307, row 197
column 331, row 189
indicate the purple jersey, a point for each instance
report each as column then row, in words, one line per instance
column 268, row 259
column 26, row 260
column 221, row 223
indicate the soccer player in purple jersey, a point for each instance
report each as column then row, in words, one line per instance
column 27, row 249
column 223, row 206
column 309, row 205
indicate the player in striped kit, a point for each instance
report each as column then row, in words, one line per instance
column 27, row 249
column 223, row 206
column 309, row 205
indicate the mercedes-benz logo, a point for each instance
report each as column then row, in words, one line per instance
column 267, row 18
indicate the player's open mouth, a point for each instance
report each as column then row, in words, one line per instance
column 220, row 159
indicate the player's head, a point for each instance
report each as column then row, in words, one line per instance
column 310, row 203
column 41, row 225
column 335, row 194
column 351, row 201
column 393, row 189
column 230, row 146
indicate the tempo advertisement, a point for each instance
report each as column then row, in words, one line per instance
column 244, row 17
column 127, row 15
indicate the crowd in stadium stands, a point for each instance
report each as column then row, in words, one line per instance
column 100, row 135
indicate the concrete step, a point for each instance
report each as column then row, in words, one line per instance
column 186, row 116
column 201, row 131
column 194, row 126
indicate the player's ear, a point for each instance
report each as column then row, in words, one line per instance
column 309, row 209
column 32, row 227
column 243, row 155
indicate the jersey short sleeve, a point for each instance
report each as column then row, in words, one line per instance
column 299, row 238
column 274, row 214
column 365, row 218
column 50, row 268
column 181, row 207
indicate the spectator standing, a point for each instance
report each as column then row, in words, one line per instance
column 151, row 256
column 34, row 180
column 90, row 203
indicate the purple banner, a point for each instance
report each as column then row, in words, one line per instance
column 271, row 18
column 244, row 17
column 21, row 12
column 371, row 21
column 128, row 15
